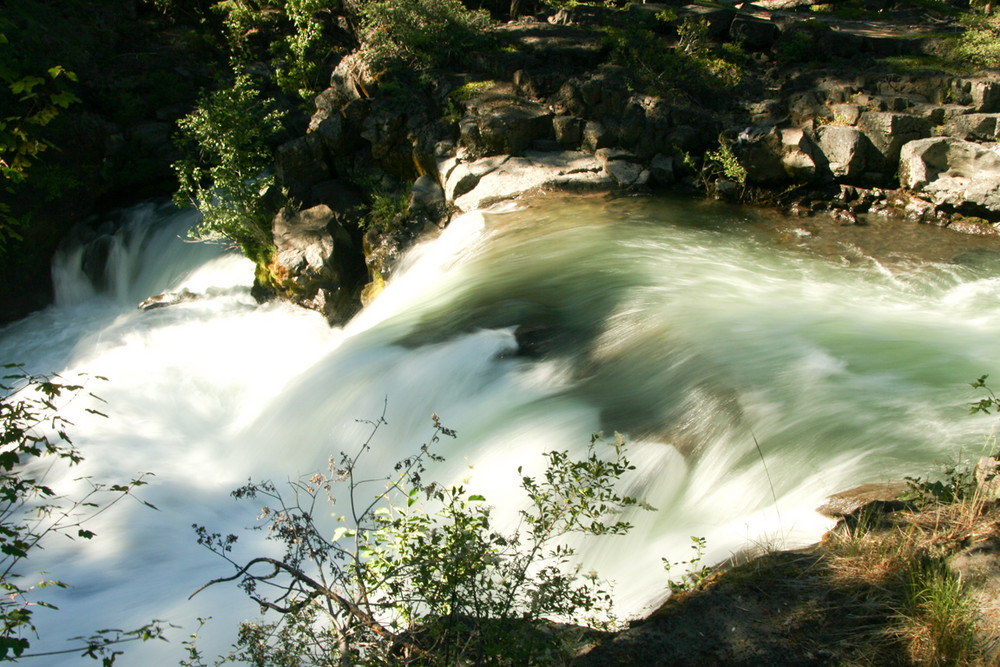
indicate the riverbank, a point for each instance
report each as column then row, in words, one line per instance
column 796, row 108
column 908, row 577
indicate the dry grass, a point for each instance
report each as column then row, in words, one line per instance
column 899, row 562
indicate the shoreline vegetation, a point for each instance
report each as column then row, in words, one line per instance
column 364, row 124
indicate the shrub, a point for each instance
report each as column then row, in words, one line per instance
column 694, row 66
column 419, row 572
column 226, row 171
column 979, row 45
column 30, row 101
column 418, row 33
column 33, row 441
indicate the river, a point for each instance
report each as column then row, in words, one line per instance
column 755, row 364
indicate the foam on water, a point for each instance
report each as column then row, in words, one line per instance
column 526, row 330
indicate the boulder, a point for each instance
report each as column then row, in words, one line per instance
column 719, row 19
column 846, row 150
column 955, row 174
column 888, row 131
column 316, row 264
column 464, row 176
column 755, row 34
column 849, row 502
column 568, row 131
column 798, row 153
column 509, row 129
column 427, row 196
column 985, row 96
column 760, row 151
column 627, row 174
column 596, row 136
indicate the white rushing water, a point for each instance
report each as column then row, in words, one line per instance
column 693, row 330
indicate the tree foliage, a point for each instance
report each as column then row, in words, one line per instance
column 33, row 442
column 30, row 101
column 227, row 169
column 418, row 573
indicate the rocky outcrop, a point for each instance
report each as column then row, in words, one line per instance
column 551, row 112
column 316, row 263
column 481, row 183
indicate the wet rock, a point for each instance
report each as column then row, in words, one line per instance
column 316, row 264
column 849, row 502
column 167, row 299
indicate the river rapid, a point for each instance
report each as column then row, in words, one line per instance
column 755, row 364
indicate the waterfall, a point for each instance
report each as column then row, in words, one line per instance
column 700, row 332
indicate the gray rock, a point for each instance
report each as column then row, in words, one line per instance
column 846, row 114
column 605, row 155
column 956, row 174
column 888, row 131
column 974, row 127
column 625, row 173
column 312, row 263
column 505, row 129
column 572, row 171
column 760, row 151
column 596, row 136
column 427, row 195
column 719, row 18
column 661, row 169
column 846, row 150
column 848, row 502
column 302, row 241
column 755, row 34
column 986, row 96
column 568, row 131
column 466, row 175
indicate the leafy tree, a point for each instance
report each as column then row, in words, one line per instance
column 228, row 143
column 418, row 573
column 33, row 440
